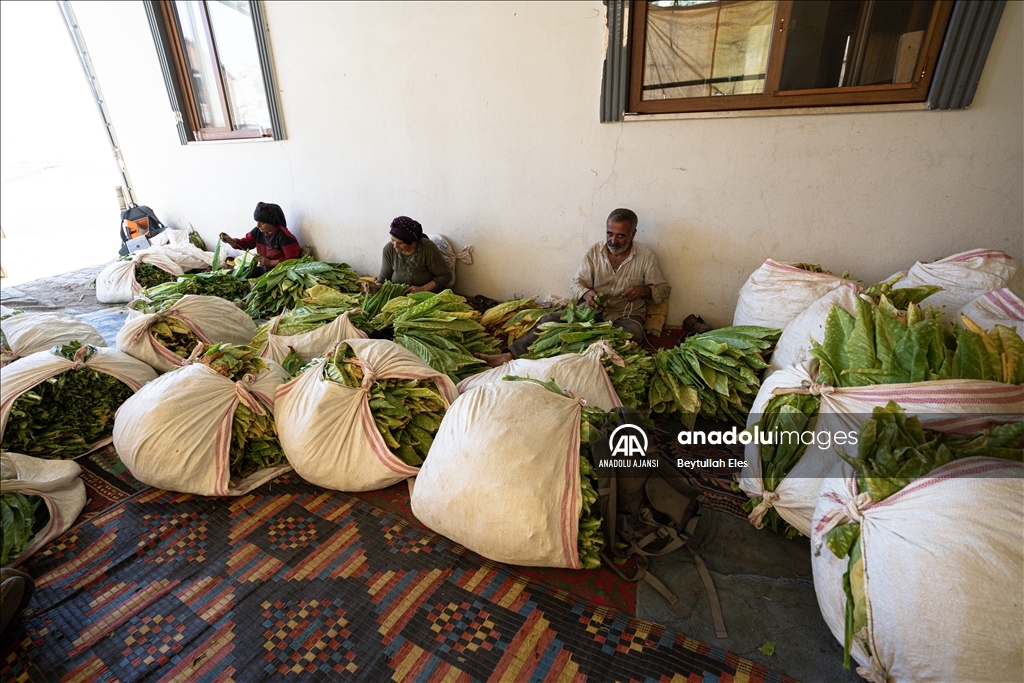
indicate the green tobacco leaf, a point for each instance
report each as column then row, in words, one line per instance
column 768, row 649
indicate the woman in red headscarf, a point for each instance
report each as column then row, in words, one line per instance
column 412, row 259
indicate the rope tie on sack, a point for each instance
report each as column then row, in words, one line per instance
column 245, row 394
column 603, row 348
column 874, row 672
column 806, row 388
column 194, row 356
column 852, row 511
column 78, row 360
column 756, row 516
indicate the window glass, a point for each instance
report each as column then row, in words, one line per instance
column 240, row 64
column 198, row 55
column 697, row 48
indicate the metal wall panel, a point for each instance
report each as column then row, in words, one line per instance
column 964, row 51
column 615, row 81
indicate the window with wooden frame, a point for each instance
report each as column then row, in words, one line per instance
column 216, row 66
column 717, row 55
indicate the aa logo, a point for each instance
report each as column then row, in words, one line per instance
column 628, row 440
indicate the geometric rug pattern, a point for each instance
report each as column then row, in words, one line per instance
column 295, row 583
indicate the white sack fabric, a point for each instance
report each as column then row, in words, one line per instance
column 448, row 253
column 116, row 284
column 29, row 333
column 794, row 346
column 310, row 344
column 212, row 319
column 579, row 373
column 503, row 475
column 175, row 433
column 327, row 431
column 56, row 482
column 776, row 293
column 968, row 402
column 1001, row 307
column 27, row 372
column 943, row 573
column 175, row 245
column 964, row 277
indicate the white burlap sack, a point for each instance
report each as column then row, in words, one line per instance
column 56, row 482
column 310, row 344
column 964, row 277
column 943, row 573
column 212, row 319
column 174, row 244
column 503, row 475
column 777, row 292
column 29, row 333
column 965, row 402
column 579, row 373
column 448, row 253
column 175, row 433
column 116, row 284
column 794, row 346
column 327, row 430
column 1001, row 307
column 27, row 372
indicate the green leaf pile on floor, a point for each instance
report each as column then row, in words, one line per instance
column 283, row 287
column 442, row 329
column 407, row 412
column 61, row 417
column 221, row 284
column 254, row 442
column 593, row 421
column 894, row 451
column 21, row 518
column 715, row 374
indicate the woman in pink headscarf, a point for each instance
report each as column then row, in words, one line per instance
column 412, row 259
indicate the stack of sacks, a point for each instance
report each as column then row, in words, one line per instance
column 206, row 428
column 165, row 339
column 117, row 284
column 776, row 293
column 27, row 333
column 333, row 417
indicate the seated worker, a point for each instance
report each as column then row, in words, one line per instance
column 622, row 273
column 412, row 259
column 270, row 237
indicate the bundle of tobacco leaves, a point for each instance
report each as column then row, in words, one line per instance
column 174, row 335
column 63, row 416
column 407, row 412
column 221, row 283
column 899, row 298
column 196, row 239
column 148, row 275
column 510, row 320
column 21, row 518
column 590, row 539
column 283, row 287
column 372, row 304
column 254, row 442
column 892, row 452
column 440, row 328
column 576, row 331
column 715, row 374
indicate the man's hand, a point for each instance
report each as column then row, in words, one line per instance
column 590, row 298
column 637, row 292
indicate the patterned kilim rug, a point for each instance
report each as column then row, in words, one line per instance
column 296, row 583
column 107, row 482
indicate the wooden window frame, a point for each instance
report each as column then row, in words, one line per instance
column 772, row 97
column 177, row 54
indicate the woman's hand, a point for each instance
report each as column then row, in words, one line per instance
column 228, row 240
column 429, row 287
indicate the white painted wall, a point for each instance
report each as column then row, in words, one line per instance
column 480, row 120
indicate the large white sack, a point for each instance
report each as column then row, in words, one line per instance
column 212, row 319
column 503, row 475
column 175, row 433
column 943, row 573
column 28, row 333
column 310, row 344
column 327, row 430
column 776, row 293
column 450, row 256
column 579, row 373
column 175, row 245
column 56, row 482
column 794, row 345
column 965, row 402
column 1001, row 307
column 27, row 372
column 964, row 277
column 116, row 284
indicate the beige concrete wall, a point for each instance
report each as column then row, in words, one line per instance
column 481, row 121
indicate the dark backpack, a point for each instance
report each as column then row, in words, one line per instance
column 138, row 221
column 651, row 514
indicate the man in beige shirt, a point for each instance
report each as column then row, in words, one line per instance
column 619, row 276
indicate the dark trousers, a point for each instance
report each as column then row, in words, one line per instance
column 632, row 324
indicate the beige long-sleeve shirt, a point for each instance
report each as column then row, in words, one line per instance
column 639, row 268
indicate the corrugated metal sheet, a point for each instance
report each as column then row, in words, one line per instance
column 159, row 30
column 267, row 64
column 964, row 51
column 615, row 82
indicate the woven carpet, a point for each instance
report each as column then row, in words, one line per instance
column 296, row 583
column 107, row 482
